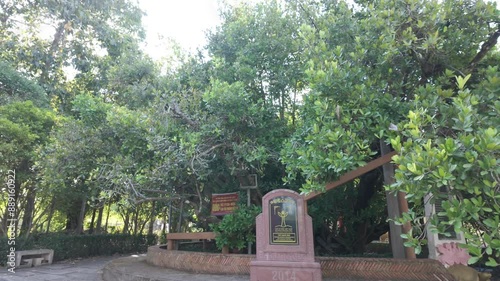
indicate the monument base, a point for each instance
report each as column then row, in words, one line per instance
column 284, row 271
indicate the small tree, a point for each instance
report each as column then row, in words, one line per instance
column 237, row 229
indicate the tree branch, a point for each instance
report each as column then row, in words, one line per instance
column 158, row 191
column 204, row 153
column 149, row 199
column 177, row 113
column 485, row 48
column 56, row 42
column 301, row 6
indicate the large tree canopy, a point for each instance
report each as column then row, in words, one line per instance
column 369, row 65
column 298, row 92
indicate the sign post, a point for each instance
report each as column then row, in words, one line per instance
column 247, row 183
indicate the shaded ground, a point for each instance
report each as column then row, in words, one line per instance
column 82, row 270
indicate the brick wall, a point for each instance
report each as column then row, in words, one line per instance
column 383, row 269
column 332, row 268
column 197, row 262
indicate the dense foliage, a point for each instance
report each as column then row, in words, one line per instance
column 452, row 147
column 237, row 229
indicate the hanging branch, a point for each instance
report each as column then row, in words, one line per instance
column 485, row 48
column 197, row 156
column 176, row 112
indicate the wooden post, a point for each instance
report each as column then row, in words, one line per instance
column 397, row 244
column 406, row 228
column 250, row 182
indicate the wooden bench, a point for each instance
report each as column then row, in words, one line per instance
column 172, row 237
column 31, row 258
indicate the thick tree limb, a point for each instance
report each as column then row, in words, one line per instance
column 485, row 48
column 301, row 6
column 204, row 153
column 158, row 191
column 149, row 199
column 58, row 40
column 177, row 113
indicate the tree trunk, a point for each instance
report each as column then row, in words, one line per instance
column 181, row 214
column 164, row 228
column 3, row 226
column 92, row 220
column 126, row 222
column 72, row 217
column 28, row 212
column 143, row 225
column 136, row 218
column 51, row 213
column 153, row 218
column 98, row 228
column 360, row 246
column 282, row 109
column 107, row 219
column 58, row 40
column 170, row 217
column 81, row 217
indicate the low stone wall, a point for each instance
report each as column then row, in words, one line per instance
column 332, row 268
column 197, row 262
column 383, row 269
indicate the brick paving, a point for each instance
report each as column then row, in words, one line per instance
column 136, row 268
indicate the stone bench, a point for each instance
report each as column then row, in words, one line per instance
column 31, row 258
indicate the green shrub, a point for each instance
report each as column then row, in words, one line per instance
column 67, row 246
column 15, row 87
column 237, row 229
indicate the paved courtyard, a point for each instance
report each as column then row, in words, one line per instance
column 91, row 269
column 85, row 270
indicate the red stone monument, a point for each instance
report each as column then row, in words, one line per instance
column 285, row 248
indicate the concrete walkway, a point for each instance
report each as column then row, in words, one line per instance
column 78, row 270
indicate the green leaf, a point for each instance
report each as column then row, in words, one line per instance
column 473, row 260
column 461, row 81
column 491, row 262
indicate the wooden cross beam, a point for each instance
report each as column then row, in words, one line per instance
column 372, row 165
